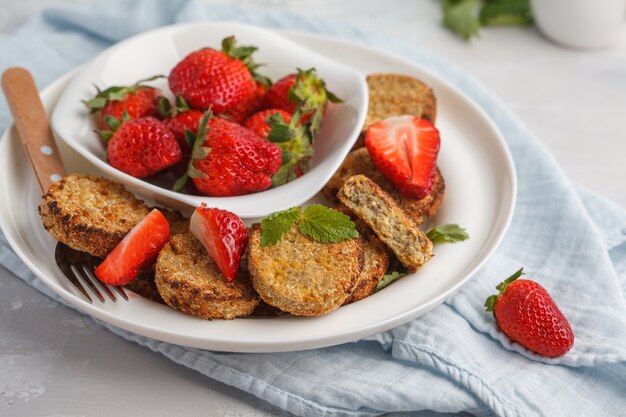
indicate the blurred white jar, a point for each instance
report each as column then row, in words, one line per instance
column 585, row 24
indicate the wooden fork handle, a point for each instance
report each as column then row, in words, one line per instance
column 32, row 126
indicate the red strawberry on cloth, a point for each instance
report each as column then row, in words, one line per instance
column 138, row 249
column 224, row 236
column 137, row 100
column 228, row 159
column 140, row 147
column 526, row 313
column 217, row 79
column 404, row 149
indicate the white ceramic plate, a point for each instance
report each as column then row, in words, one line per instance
column 158, row 51
column 480, row 195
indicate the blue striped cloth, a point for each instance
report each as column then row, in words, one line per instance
column 453, row 359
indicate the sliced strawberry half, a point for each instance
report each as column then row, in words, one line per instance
column 138, row 249
column 404, row 149
column 224, row 236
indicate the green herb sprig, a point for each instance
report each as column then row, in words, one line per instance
column 318, row 222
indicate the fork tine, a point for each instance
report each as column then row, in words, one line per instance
column 75, row 283
column 101, row 284
column 86, row 280
column 64, row 267
column 121, row 291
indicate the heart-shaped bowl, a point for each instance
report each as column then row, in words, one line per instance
column 158, row 51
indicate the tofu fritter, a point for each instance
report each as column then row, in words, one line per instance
column 304, row 277
column 90, row 214
column 390, row 223
column 359, row 162
column 189, row 281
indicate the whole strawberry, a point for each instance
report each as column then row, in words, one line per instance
column 258, row 122
column 277, row 96
column 224, row 236
column 248, row 105
column 219, row 80
column 228, row 159
column 181, row 120
column 137, row 100
column 304, row 91
column 294, row 139
column 526, row 313
column 140, row 147
column 181, row 123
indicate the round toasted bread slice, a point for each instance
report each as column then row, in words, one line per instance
column 391, row 224
column 266, row 310
column 395, row 95
column 145, row 286
column 90, row 214
column 301, row 276
column 375, row 258
column 189, row 281
column 358, row 162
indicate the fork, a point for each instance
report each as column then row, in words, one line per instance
column 34, row 131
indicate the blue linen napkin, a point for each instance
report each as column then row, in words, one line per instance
column 453, row 359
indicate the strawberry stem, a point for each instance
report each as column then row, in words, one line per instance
column 198, row 151
column 164, row 106
column 244, row 54
column 490, row 303
column 310, row 94
column 116, row 93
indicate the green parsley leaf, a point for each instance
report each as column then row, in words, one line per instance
column 326, row 225
column 461, row 16
column 274, row 226
column 447, row 233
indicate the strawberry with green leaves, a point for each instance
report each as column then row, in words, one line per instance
column 294, row 138
column 140, row 147
column 526, row 313
column 259, row 123
column 228, row 159
column 181, row 120
column 137, row 100
column 304, row 91
column 219, row 80
column 404, row 149
column 224, row 236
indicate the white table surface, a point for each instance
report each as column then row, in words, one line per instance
column 56, row 362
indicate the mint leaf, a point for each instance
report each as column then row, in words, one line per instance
column 326, row 225
column 447, row 233
column 395, row 271
column 274, row 226
column 461, row 16
column 388, row 279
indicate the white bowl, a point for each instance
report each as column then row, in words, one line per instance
column 157, row 52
